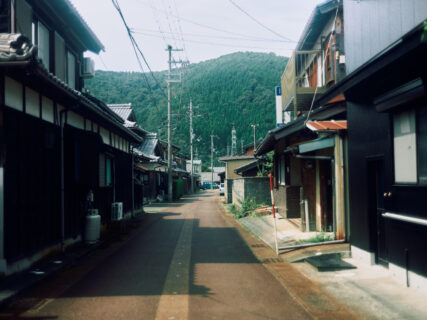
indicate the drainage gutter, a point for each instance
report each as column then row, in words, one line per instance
column 306, row 245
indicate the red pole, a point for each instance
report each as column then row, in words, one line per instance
column 274, row 213
column 272, row 197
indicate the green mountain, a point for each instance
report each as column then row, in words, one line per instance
column 235, row 89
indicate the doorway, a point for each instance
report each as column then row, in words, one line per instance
column 375, row 189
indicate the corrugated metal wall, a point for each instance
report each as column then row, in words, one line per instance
column 372, row 25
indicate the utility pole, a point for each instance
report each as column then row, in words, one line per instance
column 254, row 127
column 233, row 142
column 241, row 142
column 191, row 146
column 169, row 81
column 212, row 150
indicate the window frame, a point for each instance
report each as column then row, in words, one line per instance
column 103, row 180
column 37, row 22
column 420, row 181
column 68, row 53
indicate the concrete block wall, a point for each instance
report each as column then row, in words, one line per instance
column 257, row 188
column 238, row 191
column 228, row 190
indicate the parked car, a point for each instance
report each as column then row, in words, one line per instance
column 221, row 189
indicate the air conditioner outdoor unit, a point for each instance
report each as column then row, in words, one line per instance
column 116, row 211
column 88, row 68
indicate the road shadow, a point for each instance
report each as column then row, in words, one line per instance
column 141, row 265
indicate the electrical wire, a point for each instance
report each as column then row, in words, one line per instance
column 324, row 60
column 258, row 22
column 215, row 37
column 212, row 43
column 204, row 25
column 137, row 49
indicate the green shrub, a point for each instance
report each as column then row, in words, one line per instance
column 320, row 237
column 248, row 208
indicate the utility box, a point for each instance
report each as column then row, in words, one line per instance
column 116, row 211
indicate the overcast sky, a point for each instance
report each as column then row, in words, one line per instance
column 206, row 29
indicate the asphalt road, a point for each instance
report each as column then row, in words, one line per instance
column 190, row 263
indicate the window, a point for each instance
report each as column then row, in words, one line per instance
column 71, row 70
column 422, row 145
column 105, row 170
column 60, row 66
column 410, row 146
column 281, row 170
column 43, row 44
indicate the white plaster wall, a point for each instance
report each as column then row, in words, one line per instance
column 75, row 120
column 47, row 109
column 105, row 135
column 32, row 102
column 13, row 94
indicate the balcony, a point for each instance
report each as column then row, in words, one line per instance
column 304, row 76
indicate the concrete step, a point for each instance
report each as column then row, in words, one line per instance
column 329, row 262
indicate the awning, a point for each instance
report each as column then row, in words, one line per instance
column 317, row 144
column 327, row 125
column 141, row 167
column 248, row 166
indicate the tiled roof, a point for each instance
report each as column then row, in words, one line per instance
column 148, row 147
column 123, row 110
column 16, row 49
column 67, row 13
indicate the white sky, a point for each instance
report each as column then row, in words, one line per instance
column 210, row 28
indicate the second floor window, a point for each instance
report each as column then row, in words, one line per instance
column 43, row 44
column 410, row 151
column 71, row 70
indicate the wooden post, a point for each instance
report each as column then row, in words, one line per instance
column 319, row 225
column 339, row 188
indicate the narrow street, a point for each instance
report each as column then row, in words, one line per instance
column 190, row 263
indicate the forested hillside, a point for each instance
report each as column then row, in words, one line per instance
column 236, row 89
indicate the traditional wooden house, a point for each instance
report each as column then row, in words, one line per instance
column 141, row 173
column 309, row 151
column 58, row 145
column 386, row 99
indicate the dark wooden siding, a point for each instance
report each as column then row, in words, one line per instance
column 370, row 138
column 24, row 18
column 5, row 16
column 31, row 184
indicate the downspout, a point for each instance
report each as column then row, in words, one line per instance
column 62, row 159
column 133, row 186
column 114, row 180
column 12, row 17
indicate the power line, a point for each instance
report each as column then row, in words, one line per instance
column 254, row 39
column 136, row 47
column 210, row 43
column 259, row 23
column 204, row 25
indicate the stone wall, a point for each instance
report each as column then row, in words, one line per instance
column 257, row 188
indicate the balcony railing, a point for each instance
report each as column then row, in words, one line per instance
column 304, row 73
